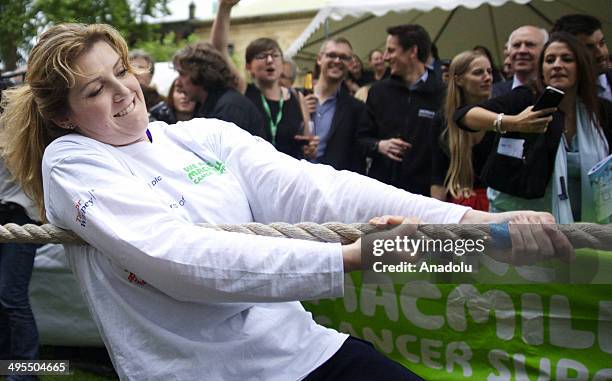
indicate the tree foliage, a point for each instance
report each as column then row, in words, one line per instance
column 127, row 16
column 15, row 29
column 21, row 20
column 163, row 49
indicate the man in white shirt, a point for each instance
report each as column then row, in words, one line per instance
column 525, row 45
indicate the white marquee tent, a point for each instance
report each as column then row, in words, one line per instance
column 455, row 25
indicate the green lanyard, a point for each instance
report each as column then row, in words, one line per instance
column 279, row 115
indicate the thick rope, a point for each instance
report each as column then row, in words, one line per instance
column 580, row 235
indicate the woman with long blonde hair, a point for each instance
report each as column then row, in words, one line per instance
column 459, row 155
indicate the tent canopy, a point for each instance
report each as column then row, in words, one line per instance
column 454, row 25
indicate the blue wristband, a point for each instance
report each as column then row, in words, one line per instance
column 500, row 235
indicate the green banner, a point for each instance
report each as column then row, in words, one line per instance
column 482, row 332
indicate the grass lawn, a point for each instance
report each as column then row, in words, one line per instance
column 86, row 364
column 77, row 375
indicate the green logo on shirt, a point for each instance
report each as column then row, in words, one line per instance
column 199, row 171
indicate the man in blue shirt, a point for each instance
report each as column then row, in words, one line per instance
column 334, row 112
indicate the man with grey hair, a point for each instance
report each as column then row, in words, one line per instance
column 145, row 64
column 287, row 77
column 524, row 45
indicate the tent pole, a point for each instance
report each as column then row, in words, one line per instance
column 542, row 15
column 448, row 19
column 327, row 28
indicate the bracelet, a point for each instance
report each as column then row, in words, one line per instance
column 497, row 124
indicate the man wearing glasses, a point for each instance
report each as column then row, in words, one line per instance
column 336, row 113
column 396, row 128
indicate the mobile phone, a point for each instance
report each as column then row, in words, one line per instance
column 551, row 97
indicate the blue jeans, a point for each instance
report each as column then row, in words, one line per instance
column 18, row 332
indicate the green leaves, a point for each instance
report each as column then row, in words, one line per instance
column 22, row 20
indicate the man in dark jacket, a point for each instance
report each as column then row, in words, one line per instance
column 396, row 128
column 525, row 45
column 205, row 76
column 589, row 31
column 336, row 113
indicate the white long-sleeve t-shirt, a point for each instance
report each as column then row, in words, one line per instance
column 174, row 300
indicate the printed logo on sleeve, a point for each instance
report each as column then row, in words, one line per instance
column 197, row 172
column 156, row 180
column 82, row 207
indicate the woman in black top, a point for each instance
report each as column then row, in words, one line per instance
column 541, row 158
column 357, row 76
column 458, row 156
column 176, row 108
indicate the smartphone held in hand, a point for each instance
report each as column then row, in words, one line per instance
column 550, row 98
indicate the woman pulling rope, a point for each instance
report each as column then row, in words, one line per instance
column 173, row 300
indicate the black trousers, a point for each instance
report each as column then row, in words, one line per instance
column 358, row 360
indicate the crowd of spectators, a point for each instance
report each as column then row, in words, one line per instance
column 404, row 117
column 432, row 126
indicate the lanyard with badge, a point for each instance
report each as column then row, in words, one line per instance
column 279, row 115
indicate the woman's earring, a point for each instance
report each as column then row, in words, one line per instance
column 71, row 126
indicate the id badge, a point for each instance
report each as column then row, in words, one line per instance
column 511, row 147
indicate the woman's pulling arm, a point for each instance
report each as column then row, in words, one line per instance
column 123, row 217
